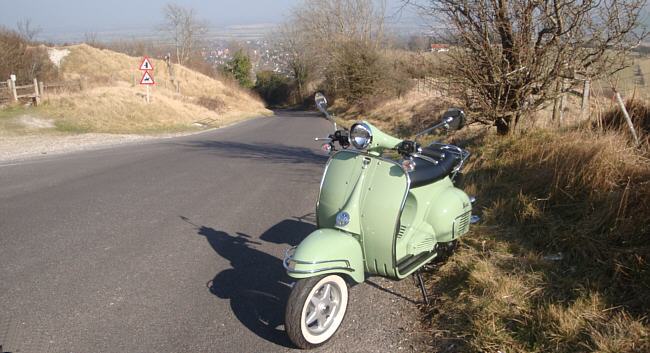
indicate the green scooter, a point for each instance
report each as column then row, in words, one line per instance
column 376, row 216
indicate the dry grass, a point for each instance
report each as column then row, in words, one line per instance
column 114, row 103
column 560, row 260
column 582, row 195
column 403, row 116
column 639, row 112
column 122, row 110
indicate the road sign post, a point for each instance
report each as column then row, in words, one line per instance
column 147, row 78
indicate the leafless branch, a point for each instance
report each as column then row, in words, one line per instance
column 512, row 54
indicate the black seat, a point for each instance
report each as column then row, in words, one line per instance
column 426, row 173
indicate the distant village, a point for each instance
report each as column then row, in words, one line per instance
column 263, row 53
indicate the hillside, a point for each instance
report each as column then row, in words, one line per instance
column 112, row 101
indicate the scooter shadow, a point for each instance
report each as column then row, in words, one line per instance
column 257, row 284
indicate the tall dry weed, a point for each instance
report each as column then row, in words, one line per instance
column 560, row 263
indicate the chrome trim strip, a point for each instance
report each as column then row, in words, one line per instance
column 322, row 180
column 288, row 258
column 398, row 223
column 426, row 158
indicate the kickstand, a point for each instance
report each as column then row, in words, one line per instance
column 422, row 287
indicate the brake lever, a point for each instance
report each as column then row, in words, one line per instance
column 407, row 148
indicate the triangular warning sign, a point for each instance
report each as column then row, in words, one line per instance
column 147, row 79
column 146, row 64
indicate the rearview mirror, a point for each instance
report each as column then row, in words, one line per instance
column 454, row 119
column 321, row 103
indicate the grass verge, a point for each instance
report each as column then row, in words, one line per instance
column 560, row 261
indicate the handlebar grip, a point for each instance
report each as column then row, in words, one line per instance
column 407, row 147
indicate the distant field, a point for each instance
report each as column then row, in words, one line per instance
column 634, row 81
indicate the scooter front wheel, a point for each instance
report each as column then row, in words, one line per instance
column 315, row 310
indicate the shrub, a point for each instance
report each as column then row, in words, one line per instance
column 19, row 57
column 212, row 103
column 361, row 72
column 274, row 88
column 240, row 68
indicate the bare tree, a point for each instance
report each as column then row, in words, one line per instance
column 514, row 56
column 184, row 28
column 321, row 35
column 12, row 51
column 328, row 23
column 26, row 61
column 90, row 38
column 298, row 56
column 27, row 30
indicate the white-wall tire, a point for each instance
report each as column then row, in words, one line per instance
column 315, row 310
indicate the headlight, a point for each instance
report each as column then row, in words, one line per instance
column 360, row 136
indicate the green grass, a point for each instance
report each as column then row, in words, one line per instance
column 12, row 112
column 8, row 119
column 71, row 127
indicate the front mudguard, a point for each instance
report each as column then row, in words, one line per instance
column 326, row 251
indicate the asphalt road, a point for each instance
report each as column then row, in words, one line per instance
column 175, row 246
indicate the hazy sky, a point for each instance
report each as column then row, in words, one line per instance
column 94, row 16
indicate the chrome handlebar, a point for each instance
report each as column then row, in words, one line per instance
column 462, row 154
column 444, row 123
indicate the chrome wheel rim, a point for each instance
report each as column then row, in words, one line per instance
column 322, row 308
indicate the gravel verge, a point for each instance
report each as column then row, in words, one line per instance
column 16, row 148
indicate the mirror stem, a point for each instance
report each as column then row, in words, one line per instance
column 329, row 117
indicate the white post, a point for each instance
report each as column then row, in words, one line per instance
column 627, row 117
column 13, row 90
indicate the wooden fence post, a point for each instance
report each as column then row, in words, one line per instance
column 37, row 96
column 627, row 117
column 9, row 90
column 562, row 99
column 41, row 88
column 556, row 102
column 584, row 109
